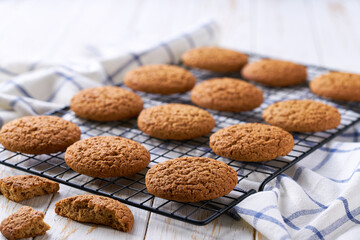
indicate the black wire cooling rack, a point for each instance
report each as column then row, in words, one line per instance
column 132, row 190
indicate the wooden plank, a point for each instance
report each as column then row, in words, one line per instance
column 337, row 29
column 35, row 29
column 159, row 18
column 224, row 227
column 282, row 30
column 100, row 23
column 234, row 19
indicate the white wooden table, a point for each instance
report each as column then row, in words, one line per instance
column 319, row 32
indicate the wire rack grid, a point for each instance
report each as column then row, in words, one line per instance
column 131, row 190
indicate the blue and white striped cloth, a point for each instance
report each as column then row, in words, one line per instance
column 316, row 199
column 37, row 87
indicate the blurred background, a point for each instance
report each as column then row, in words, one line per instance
column 319, row 32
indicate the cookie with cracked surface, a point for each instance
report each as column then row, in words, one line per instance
column 22, row 187
column 275, row 73
column 251, row 142
column 39, row 134
column 107, row 156
column 227, row 94
column 24, row 223
column 175, row 121
column 215, row 59
column 338, row 86
column 302, row 116
column 190, row 179
column 160, row 78
column 96, row 209
column 105, row 104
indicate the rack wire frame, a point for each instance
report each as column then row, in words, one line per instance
column 252, row 177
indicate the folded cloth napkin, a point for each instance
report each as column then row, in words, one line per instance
column 315, row 199
column 34, row 88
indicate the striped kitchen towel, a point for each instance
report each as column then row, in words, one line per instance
column 35, row 88
column 315, row 199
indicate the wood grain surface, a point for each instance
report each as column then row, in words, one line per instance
column 318, row 32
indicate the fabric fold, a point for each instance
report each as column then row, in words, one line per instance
column 33, row 88
column 315, row 199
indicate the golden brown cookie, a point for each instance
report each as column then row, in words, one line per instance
column 337, row 86
column 227, row 94
column 275, row 73
column 22, row 187
column 107, row 157
column 302, row 116
column 24, row 223
column 175, row 121
column 252, row 142
column 96, row 209
column 190, row 179
column 108, row 103
column 215, row 59
column 39, row 134
column 160, row 78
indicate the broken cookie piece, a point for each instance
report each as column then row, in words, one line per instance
column 22, row 187
column 24, row 223
column 98, row 210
